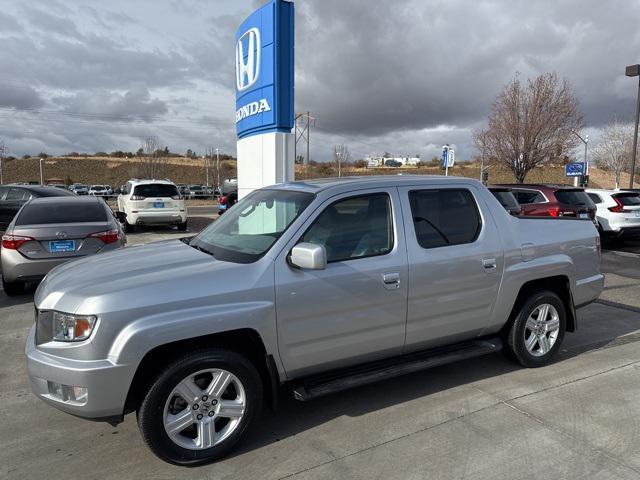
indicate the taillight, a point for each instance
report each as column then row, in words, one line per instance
column 14, row 242
column 619, row 208
column 108, row 236
column 554, row 211
column 137, row 197
column 223, row 200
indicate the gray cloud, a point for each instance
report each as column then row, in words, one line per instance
column 404, row 76
column 19, row 97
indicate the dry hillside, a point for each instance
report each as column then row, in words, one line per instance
column 115, row 171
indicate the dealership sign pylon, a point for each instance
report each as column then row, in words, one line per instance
column 264, row 57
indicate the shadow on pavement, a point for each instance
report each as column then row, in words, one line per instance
column 599, row 327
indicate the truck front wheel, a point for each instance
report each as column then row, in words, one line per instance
column 199, row 408
column 537, row 331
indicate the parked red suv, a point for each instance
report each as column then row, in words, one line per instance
column 546, row 200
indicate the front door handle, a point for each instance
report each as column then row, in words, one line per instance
column 391, row 281
column 489, row 263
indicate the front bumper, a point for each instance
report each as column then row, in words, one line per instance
column 107, row 383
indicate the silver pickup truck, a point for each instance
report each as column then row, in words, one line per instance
column 307, row 287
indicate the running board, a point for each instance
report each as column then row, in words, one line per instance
column 338, row 381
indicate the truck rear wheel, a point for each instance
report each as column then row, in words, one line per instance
column 537, row 331
column 200, row 407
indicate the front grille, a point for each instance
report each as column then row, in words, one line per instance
column 44, row 326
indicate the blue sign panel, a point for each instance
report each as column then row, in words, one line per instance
column 575, row 169
column 445, row 157
column 264, row 70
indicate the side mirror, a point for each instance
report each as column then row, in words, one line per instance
column 309, row 256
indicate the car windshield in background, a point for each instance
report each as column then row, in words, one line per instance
column 628, row 199
column 507, row 199
column 67, row 212
column 155, row 190
column 574, row 197
column 249, row 229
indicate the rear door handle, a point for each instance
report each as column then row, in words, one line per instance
column 489, row 263
column 391, row 281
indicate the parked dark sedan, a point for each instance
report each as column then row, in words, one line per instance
column 12, row 197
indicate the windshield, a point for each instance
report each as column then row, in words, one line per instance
column 506, row 199
column 249, row 229
column 49, row 213
column 155, row 190
column 628, row 199
column 574, row 197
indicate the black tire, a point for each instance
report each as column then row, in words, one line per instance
column 514, row 345
column 12, row 288
column 182, row 226
column 128, row 228
column 151, row 411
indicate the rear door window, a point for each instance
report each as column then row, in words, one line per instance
column 628, row 199
column 574, row 197
column 444, row 217
column 17, row 194
column 595, row 198
column 155, row 190
column 67, row 212
column 529, row 196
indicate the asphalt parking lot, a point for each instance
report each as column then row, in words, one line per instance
column 481, row 419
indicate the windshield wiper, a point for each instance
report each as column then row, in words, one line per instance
column 197, row 247
column 422, row 219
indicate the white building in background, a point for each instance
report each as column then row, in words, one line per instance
column 376, row 161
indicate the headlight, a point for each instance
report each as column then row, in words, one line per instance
column 72, row 328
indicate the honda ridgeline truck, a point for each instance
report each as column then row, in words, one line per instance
column 308, row 287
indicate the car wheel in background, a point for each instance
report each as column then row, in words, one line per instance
column 12, row 288
column 128, row 228
column 200, row 406
column 182, row 226
column 537, row 331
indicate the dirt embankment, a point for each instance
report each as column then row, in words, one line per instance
column 115, row 171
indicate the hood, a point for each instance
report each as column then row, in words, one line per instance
column 136, row 276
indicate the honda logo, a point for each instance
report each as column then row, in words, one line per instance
column 248, row 70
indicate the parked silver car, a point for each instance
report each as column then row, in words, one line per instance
column 313, row 286
column 49, row 231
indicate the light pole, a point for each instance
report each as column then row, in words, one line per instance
column 584, row 140
column 206, row 168
column 41, row 177
column 634, row 71
column 218, row 170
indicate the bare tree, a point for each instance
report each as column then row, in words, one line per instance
column 531, row 125
column 342, row 156
column 613, row 151
column 154, row 159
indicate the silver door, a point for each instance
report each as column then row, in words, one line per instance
column 355, row 309
column 452, row 288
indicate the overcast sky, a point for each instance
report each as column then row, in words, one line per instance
column 401, row 76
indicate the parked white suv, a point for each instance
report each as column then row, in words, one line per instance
column 151, row 202
column 617, row 211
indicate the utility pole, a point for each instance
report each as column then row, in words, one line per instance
column 218, row 170
column 3, row 152
column 206, row 168
column 634, row 71
column 303, row 132
column 41, row 177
